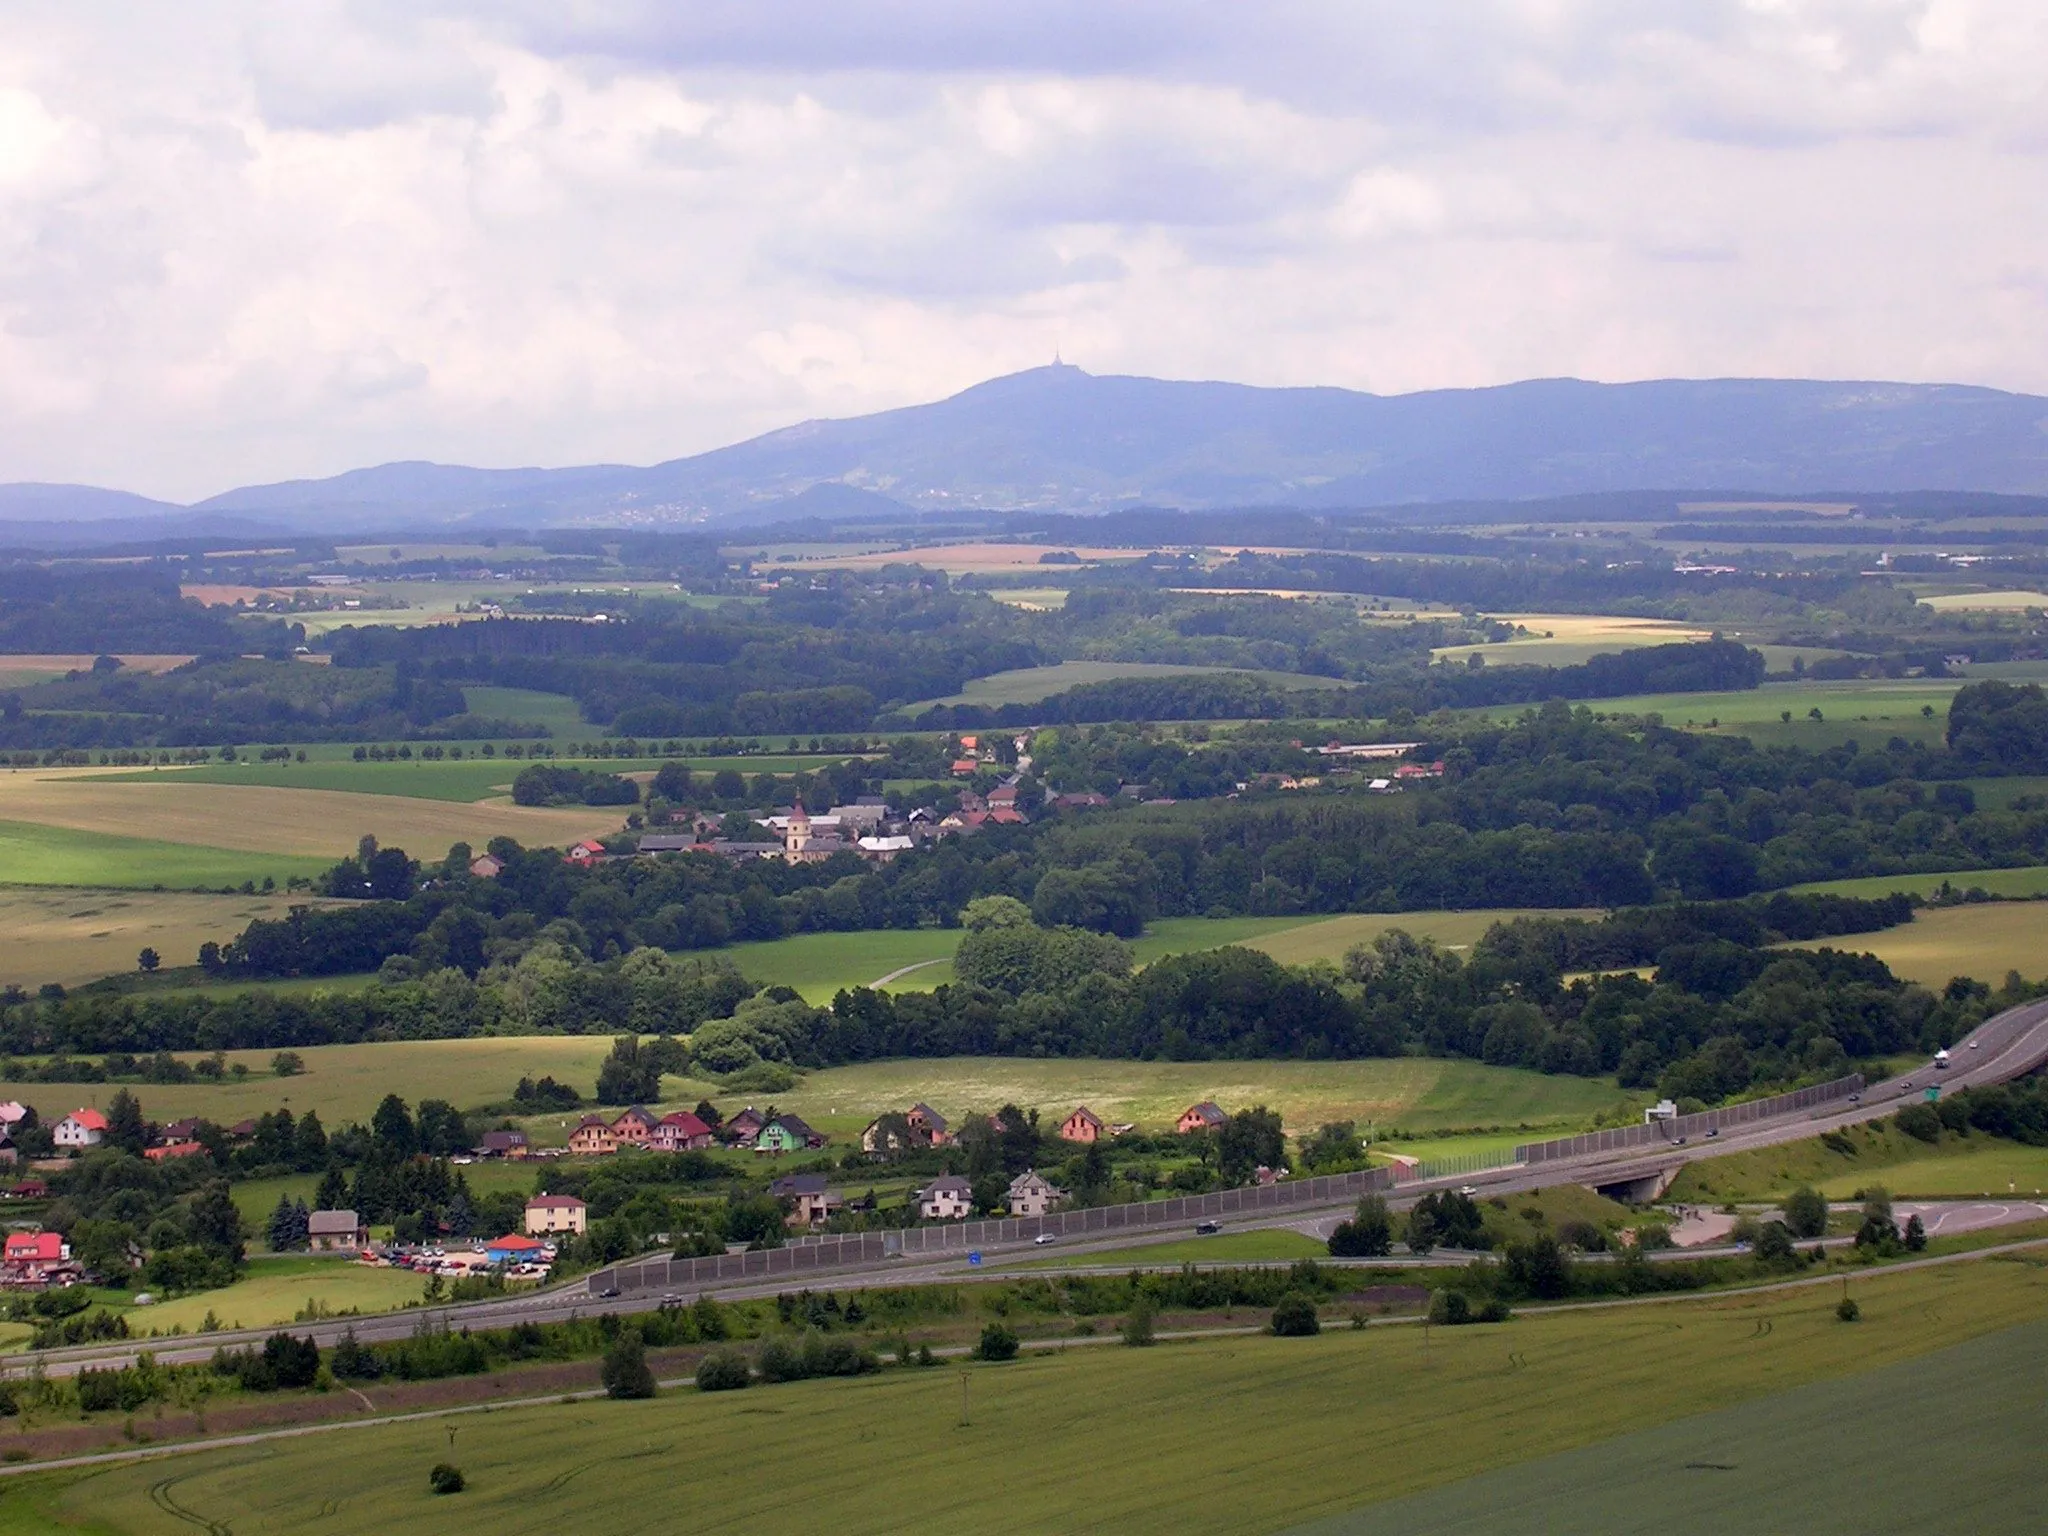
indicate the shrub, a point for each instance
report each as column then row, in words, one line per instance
column 1920, row 1122
column 997, row 1343
column 779, row 1360
column 1806, row 1213
column 1448, row 1309
column 1137, row 1329
column 1774, row 1243
column 444, row 1478
column 625, row 1372
column 1847, row 1310
column 1295, row 1317
column 725, row 1371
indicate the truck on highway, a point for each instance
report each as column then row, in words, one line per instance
column 1941, row 1061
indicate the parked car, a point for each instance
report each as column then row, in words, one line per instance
column 1208, row 1228
column 1043, row 1238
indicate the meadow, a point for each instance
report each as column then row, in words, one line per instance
column 274, row 1290
column 70, row 936
column 35, row 854
column 1240, row 1434
column 1028, row 685
column 2027, row 881
column 1868, row 711
column 1942, row 942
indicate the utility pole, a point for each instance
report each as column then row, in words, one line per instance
column 965, row 1420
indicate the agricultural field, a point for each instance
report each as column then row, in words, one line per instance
column 316, row 824
column 1028, row 685
column 1240, row 1434
column 1865, row 710
column 2029, row 880
column 1999, row 794
column 1875, row 1153
column 984, row 559
column 1980, row 941
column 21, row 670
column 71, row 936
column 1964, row 1448
column 1034, row 599
column 1985, row 602
column 1570, row 639
column 1328, row 938
column 34, row 854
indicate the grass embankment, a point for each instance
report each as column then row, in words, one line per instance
column 1875, row 1153
column 1944, row 942
column 1253, row 1434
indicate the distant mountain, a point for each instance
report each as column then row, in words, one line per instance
column 1058, row 438
column 30, row 502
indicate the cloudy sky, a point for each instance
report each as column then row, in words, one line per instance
column 243, row 242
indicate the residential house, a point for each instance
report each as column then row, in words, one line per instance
column 179, row 1132
column 633, row 1128
column 35, row 1258
column 1082, row 1126
column 923, row 1117
column 680, row 1132
column 513, row 1248
column 965, row 767
column 1086, row 800
column 1007, row 816
column 242, row 1130
column 1204, row 1116
column 810, row 1203
column 486, row 866
column 743, row 1127
column 29, row 1189
column 950, row 1198
column 787, row 1133
column 585, row 853
column 1031, row 1195
column 666, row 842
column 865, row 814
column 337, row 1232
column 12, row 1113
column 882, row 849
column 506, row 1144
column 592, row 1138
column 79, row 1129
column 554, row 1213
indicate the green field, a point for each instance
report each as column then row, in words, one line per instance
column 1236, row 1434
column 562, row 716
column 1980, row 941
column 275, row 1290
column 1999, row 794
column 1027, row 685
column 1879, row 1155
column 257, row 1198
column 1866, row 711
column 2029, row 880
column 1964, row 1456
column 31, row 854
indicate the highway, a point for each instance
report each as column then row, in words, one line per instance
column 2004, row 1047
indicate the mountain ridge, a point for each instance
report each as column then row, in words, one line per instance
column 1057, row 438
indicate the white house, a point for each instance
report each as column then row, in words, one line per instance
column 950, row 1198
column 1031, row 1195
column 81, row 1128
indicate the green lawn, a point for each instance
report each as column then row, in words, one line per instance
column 33, row 854
column 819, row 964
column 1252, row 1434
column 1879, row 1155
column 557, row 711
column 275, row 1290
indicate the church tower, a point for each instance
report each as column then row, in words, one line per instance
column 797, row 836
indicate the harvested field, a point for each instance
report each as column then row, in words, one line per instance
column 72, row 936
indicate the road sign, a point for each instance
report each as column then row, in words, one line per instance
column 1933, row 1094
column 974, row 1257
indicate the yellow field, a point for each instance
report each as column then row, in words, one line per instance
column 1997, row 602
column 1980, row 941
column 267, row 819
column 954, row 559
column 71, row 936
column 20, row 669
column 1567, row 639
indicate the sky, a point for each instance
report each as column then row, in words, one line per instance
column 248, row 242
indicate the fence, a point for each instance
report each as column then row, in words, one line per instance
column 1468, row 1162
column 805, row 1254
column 1663, row 1132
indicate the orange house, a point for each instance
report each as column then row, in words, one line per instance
column 1205, row 1116
column 1082, row 1126
column 633, row 1128
column 593, row 1138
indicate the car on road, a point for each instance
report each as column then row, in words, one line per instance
column 1976, row 1045
column 1043, row 1238
column 1855, row 1098
column 609, row 1293
column 671, row 1300
column 1713, row 1130
column 1208, row 1228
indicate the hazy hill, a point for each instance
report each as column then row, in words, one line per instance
column 1058, row 437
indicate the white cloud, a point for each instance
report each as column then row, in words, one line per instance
column 243, row 242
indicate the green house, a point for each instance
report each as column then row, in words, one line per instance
column 786, row 1133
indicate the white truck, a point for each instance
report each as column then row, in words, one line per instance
column 1941, row 1061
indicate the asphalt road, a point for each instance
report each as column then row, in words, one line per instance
column 2010, row 1045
